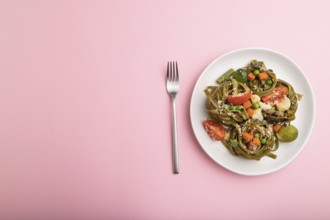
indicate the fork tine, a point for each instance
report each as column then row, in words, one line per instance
column 177, row 71
column 171, row 71
column 168, row 71
column 173, row 79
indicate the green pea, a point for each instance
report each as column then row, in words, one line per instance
column 256, row 72
column 255, row 105
column 263, row 141
column 239, row 107
column 273, row 108
column 232, row 108
column 256, row 135
column 269, row 82
column 254, row 81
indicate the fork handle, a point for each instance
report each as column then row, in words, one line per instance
column 175, row 153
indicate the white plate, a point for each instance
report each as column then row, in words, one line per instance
column 285, row 69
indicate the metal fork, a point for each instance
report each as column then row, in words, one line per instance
column 172, row 85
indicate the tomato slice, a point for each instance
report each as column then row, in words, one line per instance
column 239, row 99
column 214, row 129
column 277, row 94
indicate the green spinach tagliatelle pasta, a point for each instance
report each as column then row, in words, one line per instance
column 255, row 109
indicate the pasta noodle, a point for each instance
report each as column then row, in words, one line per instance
column 253, row 105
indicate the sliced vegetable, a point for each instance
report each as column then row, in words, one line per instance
column 239, row 98
column 277, row 127
column 214, row 129
column 251, row 76
column 247, row 104
column 250, row 112
column 247, row 136
column 277, row 94
column 256, row 141
column 225, row 76
column 263, row 76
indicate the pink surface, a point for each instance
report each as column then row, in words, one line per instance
column 85, row 118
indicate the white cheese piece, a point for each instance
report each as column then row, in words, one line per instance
column 264, row 106
column 255, row 98
column 258, row 115
column 284, row 104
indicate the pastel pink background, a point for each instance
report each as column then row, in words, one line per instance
column 85, row 117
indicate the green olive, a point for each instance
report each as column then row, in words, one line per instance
column 241, row 75
column 287, row 133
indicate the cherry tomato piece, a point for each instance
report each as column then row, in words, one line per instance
column 277, row 94
column 240, row 98
column 214, row 129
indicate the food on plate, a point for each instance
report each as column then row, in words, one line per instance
column 264, row 79
column 214, row 129
column 225, row 102
column 251, row 140
column 251, row 110
column 287, row 133
column 284, row 99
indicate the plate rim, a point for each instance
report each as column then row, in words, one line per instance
column 313, row 107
